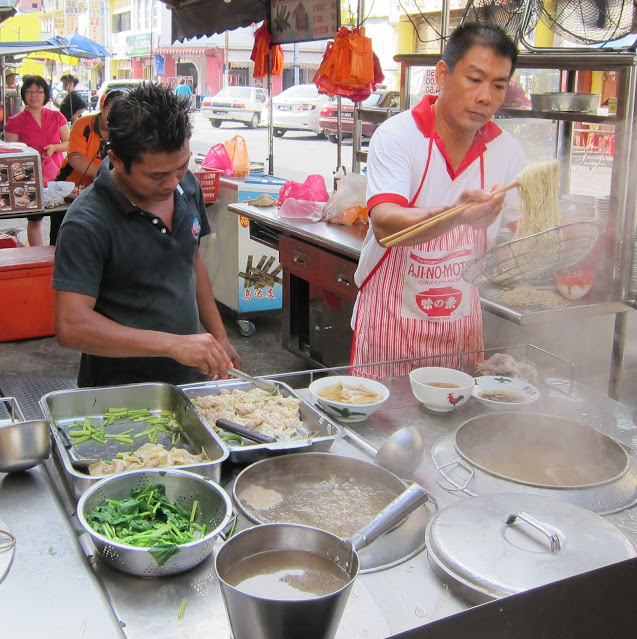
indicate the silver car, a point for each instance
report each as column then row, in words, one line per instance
column 235, row 104
column 297, row 109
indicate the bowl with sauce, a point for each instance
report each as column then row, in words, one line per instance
column 500, row 392
column 348, row 399
column 440, row 389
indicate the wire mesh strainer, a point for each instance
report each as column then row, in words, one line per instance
column 182, row 487
column 532, row 256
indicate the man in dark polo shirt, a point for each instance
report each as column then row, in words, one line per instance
column 131, row 285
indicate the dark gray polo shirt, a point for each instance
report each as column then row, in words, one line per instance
column 141, row 274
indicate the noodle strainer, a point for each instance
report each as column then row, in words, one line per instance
column 532, row 256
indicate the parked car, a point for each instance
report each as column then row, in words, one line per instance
column 383, row 100
column 124, row 85
column 235, row 104
column 297, row 109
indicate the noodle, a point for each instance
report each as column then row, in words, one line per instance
column 538, row 188
column 527, row 295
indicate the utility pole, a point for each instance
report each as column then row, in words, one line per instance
column 226, row 62
column 296, row 64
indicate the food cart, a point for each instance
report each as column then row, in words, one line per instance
column 80, row 595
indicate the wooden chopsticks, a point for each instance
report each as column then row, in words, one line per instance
column 423, row 225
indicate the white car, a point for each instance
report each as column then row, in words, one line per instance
column 237, row 104
column 119, row 85
column 297, row 109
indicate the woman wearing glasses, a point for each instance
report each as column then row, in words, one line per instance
column 44, row 130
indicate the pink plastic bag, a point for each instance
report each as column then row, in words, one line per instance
column 218, row 158
column 312, row 190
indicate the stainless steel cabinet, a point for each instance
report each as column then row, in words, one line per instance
column 318, row 299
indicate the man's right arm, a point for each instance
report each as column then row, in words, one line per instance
column 79, row 326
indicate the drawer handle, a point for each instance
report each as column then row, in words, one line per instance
column 342, row 279
column 299, row 258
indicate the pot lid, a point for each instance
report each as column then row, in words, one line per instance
column 498, row 545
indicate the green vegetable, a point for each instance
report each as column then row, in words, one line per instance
column 233, row 438
column 147, row 519
column 182, row 609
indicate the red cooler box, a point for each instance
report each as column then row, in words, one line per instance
column 27, row 299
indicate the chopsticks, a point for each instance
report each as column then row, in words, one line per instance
column 423, row 225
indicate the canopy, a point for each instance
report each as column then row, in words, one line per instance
column 196, row 18
column 78, row 46
column 21, row 49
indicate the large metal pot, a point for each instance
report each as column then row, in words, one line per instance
column 336, row 494
column 499, row 545
column 269, row 615
column 539, row 454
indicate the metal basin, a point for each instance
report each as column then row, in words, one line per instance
column 541, row 450
column 333, row 493
column 538, row 454
column 573, row 102
column 24, row 445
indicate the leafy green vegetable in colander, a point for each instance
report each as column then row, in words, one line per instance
column 147, row 519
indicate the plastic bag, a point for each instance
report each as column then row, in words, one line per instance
column 312, row 190
column 351, row 192
column 218, row 158
column 238, row 152
column 301, row 210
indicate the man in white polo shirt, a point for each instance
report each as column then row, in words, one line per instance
column 413, row 301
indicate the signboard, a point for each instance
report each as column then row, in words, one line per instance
column 159, row 64
column 303, row 20
column 89, row 63
column 139, row 44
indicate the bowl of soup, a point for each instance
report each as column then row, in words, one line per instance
column 348, row 399
column 500, row 392
column 439, row 389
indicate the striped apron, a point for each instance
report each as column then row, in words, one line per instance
column 415, row 304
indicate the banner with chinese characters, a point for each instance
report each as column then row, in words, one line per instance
column 71, row 16
column 303, row 20
column 94, row 31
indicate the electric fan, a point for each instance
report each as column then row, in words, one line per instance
column 507, row 14
column 588, row 21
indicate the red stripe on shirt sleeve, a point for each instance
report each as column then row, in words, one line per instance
column 392, row 198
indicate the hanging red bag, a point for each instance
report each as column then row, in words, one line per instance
column 218, row 158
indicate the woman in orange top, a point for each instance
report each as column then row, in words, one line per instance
column 87, row 149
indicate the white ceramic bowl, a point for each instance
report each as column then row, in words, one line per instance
column 343, row 411
column 497, row 391
column 441, row 400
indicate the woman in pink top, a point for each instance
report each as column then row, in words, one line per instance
column 42, row 129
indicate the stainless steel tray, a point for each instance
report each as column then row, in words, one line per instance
column 313, row 422
column 64, row 407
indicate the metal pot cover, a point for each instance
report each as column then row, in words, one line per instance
column 494, row 546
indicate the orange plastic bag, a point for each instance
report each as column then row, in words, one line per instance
column 238, row 152
column 262, row 49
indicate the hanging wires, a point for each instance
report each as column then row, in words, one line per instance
column 426, row 19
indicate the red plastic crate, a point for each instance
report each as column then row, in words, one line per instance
column 209, row 180
column 8, row 241
column 25, row 290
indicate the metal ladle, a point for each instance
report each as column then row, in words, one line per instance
column 400, row 454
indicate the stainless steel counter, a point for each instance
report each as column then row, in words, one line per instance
column 51, row 567
column 344, row 240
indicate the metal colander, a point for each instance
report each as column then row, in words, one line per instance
column 182, row 487
column 533, row 256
